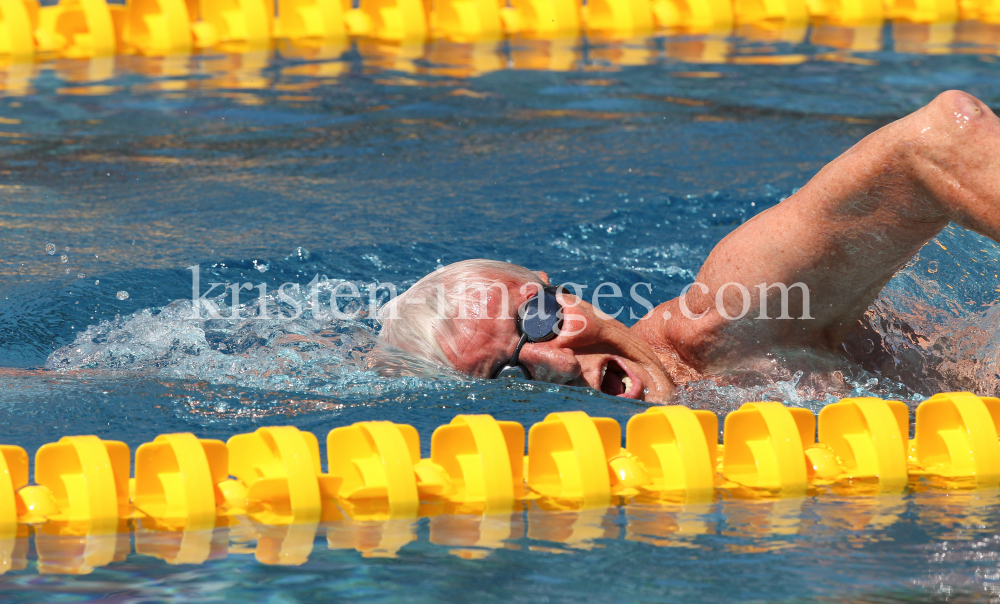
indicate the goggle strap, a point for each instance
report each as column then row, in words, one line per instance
column 517, row 351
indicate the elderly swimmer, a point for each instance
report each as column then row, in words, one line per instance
column 843, row 236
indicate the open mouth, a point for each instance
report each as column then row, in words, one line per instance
column 616, row 381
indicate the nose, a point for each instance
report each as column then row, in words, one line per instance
column 555, row 361
column 551, row 363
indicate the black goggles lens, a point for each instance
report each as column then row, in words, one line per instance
column 538, row 320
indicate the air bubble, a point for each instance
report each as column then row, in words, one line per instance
column 50, row 249
column 932, row 266
column 262, row 268
column 122, row 295
column 64, row 258
column 81, row 276
column 98, row 282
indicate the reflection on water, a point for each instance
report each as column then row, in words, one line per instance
column 70, row 554
column 284, row 545
column 539, row 54
column 256, row 69
column 866, row 38
column 926, row 38
column 475, row 536
column 858, row 514
column 668, row 526
column 762, row 525
column 372, row 538
column 181, row 547
column 742, row 526
column 14, row 550
column 956, row 515
column 575, row 529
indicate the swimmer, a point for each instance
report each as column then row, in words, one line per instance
column 843, row 235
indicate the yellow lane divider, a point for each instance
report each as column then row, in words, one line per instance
column 269, row 486
column 956, row 440
column 477, row 465
column 94, row 28
column 864, row 439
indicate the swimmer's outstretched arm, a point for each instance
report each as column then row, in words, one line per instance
column 843, row 235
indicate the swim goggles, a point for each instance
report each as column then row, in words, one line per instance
column 538, row 320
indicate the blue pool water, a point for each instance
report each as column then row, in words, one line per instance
column 376, row 164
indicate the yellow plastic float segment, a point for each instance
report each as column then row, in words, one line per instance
column 847, row 12
column 764, row 446
column 482, row 460
column 246, row 21
column 822, row 465
column 696, row 16
column 319, row 19
column 17, row 22
column 762, row 12
column 618, row 16
column 375, row 460
column 677, row 448
column 922, row 11
column 568, row 455
column 869, row 436
column 88, row 480
column 280, row 467
column 541, row 17
column 627, row 474
column 158, row 27
column 987, row 11
column 466, row 20
column 234, row 496
column 13, row 476
column 956, row 438
column 35, row 505
column 394, row 20
column 175, row 478
column 77, row 29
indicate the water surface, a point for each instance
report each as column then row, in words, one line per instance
column 622, row 161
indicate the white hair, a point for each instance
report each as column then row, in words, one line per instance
column 421, row 319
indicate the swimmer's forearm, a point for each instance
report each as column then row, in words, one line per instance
column 847, row 232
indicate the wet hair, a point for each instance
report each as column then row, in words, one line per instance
column 420, row 321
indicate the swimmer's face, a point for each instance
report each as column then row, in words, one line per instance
column 592, row 350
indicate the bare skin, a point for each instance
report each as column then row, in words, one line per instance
column 589, row 342
column 844, row 235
